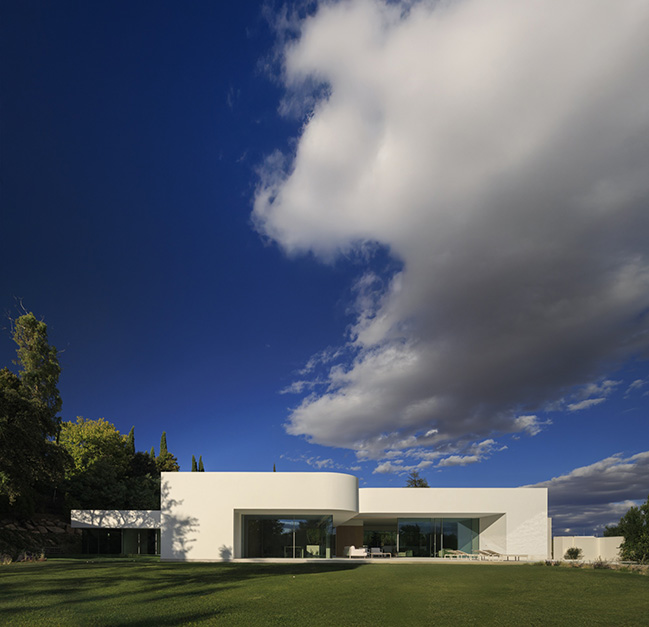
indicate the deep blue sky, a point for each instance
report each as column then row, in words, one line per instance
column 132, row 135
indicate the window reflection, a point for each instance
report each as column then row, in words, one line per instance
column 295, row 536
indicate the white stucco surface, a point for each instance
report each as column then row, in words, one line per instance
column 200, row 517
column 115, row 518
column 513, row 520
column 593, row 548
column 201, row 512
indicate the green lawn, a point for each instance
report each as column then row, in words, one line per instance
column 60, row 592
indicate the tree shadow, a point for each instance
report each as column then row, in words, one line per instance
column 176, row 531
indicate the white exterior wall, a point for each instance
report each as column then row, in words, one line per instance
column 593, row 548
column 201, row 512
column 115, row 518
column 513, row 520
column 200, row 517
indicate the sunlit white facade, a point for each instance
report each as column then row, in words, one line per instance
column 216, row 516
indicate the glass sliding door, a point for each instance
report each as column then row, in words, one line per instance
column 415, row 537
column 313, row 536
column 287, row 536
column 431, row 537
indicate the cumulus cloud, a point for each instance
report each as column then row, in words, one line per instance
column 499, row 151
column 591, row 497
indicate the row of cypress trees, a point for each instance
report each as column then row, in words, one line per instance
column 199, row 467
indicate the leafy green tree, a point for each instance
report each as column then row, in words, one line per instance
column 634, row 526
column 201, row 468
column 194, row 466
column 100, row 465
column 152, row 453
column 163, row 443
column 415, row 481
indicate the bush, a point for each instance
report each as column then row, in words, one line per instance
column 573, row 553
column 600, row 563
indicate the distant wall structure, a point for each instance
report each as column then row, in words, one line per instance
column 593, row 548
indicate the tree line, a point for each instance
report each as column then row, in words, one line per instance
column 51, row 465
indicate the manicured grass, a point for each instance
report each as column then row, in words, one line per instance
column 60, row 592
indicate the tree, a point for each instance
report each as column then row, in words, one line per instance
column 30, row 462
column 130, row 441
column 274, row 469
column 634, row 526
column 415, row 481
column 24, row 447
column 194, row 466
column 201, row 468
column 166, row 462
column 152, row 453
column 39, row 368
column 100, row 465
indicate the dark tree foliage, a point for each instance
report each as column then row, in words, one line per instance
column 415, row 481
column 194, row 466
column 130, row 441
column 49, row 465
column 105, row 473
column 634, row 527
column 166, row 462
column 30, row 462
column 39, row 368
column 201, row 468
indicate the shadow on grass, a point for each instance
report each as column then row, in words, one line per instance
column 89, row 588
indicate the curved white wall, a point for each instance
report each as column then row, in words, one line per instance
column 201, row 511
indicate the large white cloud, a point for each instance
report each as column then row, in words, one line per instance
column 500, row 151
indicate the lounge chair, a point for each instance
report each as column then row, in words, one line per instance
column 452, row 553
column 376, row 551
column 352, row 551
column 516, row 557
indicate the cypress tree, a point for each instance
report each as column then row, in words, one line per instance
column 152, row 453
column 274, row 470
column 163, row 444
column 130, row 441
column 201, row 468
column 194, row 467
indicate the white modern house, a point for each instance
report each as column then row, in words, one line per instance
column 219, row 516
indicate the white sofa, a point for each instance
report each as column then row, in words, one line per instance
column 352, row 551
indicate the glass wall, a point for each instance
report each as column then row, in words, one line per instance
column 431, row 537
column 101, row 541
column 381, row 534
column 287, row 536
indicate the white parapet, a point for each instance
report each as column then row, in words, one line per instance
column 115, row 518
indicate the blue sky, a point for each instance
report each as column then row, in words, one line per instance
column 356, row 236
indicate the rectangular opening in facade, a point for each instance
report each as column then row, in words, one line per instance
column 292, row 536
